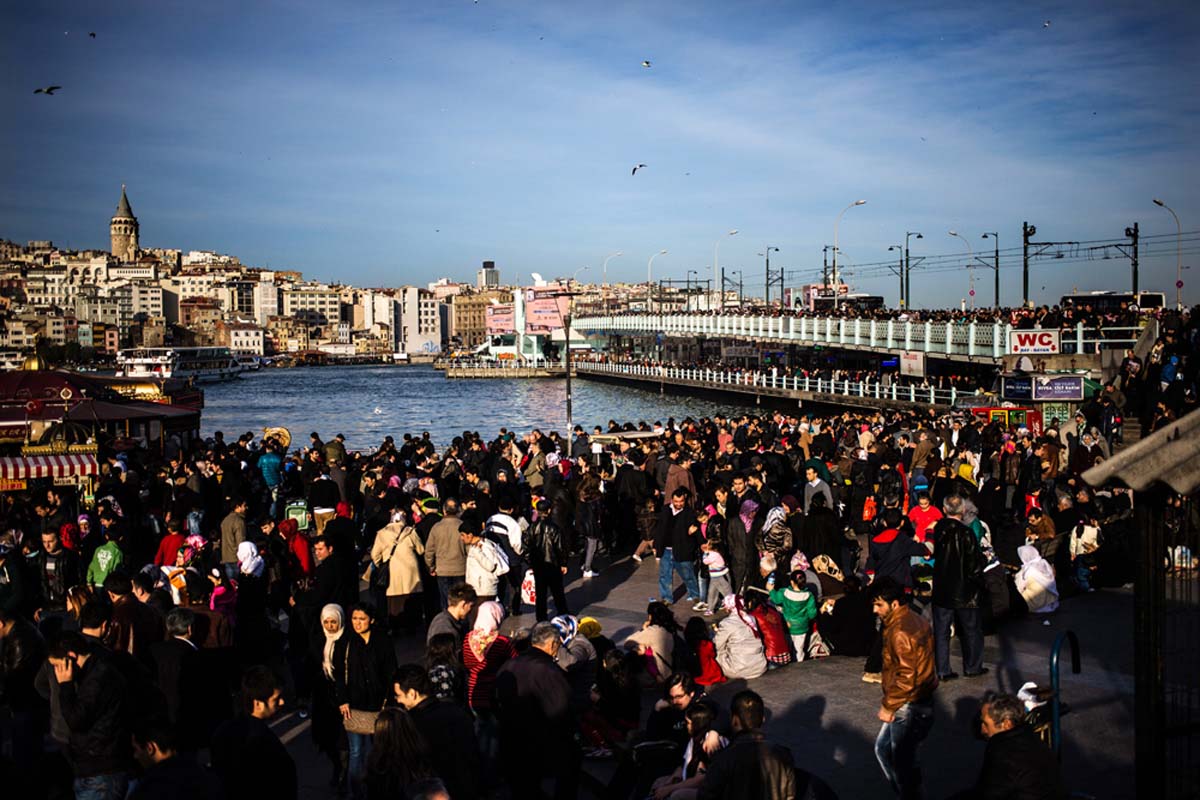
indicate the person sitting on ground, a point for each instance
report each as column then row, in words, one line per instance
column 655, row 643
column 578, row 658
column 684, row 783
column 590, row 627
column 739, row 648
column 893, row 549
column 799, row 607
column 616, row 704
column 704, row 653
column 772, row 628
column 1035, row 581
column 1016, row 764
column 750, row 766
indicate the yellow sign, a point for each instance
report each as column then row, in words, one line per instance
column 11, row 485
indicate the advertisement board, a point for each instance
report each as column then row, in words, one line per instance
column 501, row 319
column 544, row 312
column 912, row 363
column 1043, row 388
column 738, row 351
column 1036, row 342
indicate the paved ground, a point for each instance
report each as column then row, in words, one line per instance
column 826, row 714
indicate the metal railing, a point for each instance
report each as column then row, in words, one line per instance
column 773, row 380
column 988, row 339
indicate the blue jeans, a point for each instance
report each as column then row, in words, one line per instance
column 896, row 747
column 970, row 634
column 102, row 787
column 445, row 582
column 360, row 748
column 685, row 570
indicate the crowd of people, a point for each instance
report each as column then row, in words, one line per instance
column 281, row 576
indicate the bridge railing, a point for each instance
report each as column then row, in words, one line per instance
column 772, row 379
column 984, row 339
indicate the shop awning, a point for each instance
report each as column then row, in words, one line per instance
column 48, row 466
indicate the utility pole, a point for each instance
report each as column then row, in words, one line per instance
column 995, row 237
column 1132, row 233
column 1027, row 232
column 825, row 267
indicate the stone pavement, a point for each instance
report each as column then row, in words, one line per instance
column 825, row 713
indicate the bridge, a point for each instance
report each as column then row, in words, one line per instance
column 973, row 341
column 770, row 383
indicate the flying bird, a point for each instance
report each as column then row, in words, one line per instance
column 92, row 34
column 635, row 169
column 646, row 64
column 47, row 90
column 1046, row 24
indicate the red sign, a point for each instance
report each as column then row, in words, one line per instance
column 1035, row 342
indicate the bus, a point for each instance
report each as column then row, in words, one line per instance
column 1106, row 301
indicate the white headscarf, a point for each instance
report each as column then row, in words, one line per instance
column 249, row 561
column 331, row 611
column 1035, row 581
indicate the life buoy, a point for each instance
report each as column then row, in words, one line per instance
column 33, row 407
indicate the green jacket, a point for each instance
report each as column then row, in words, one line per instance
column 799, row 608
column 107, row 559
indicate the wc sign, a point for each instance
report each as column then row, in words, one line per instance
column 1027, row 343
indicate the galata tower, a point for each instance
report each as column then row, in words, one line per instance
column 123, row 230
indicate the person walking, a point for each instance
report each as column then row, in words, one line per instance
column 675, row 546
column 958, row 566
column 546, row 553
column 397, row 549
column 363, row 663
column 233, row 533
column 246, row 754
column 908, row 681
column 445, row 555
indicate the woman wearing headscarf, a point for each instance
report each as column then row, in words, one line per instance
column 578, row 658
column 1035, row 581
column 398, row 549
column 252, row 636
column 363, row 663
column 739, row 648
column 328, row 734
column 485, row 650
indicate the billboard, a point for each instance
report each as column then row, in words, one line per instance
column 501, row 319
column 1043, row 388
column 544, row 311
column 912, row 363
column 1035, row 342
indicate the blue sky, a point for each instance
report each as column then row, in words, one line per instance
column 395, row 142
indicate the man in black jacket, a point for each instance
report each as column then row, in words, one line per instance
column 448, row 728
column 544, row 549
column 246, row 754
column 537, row 729
column 1016, row 765
column 958, row 566
column 92, row 698
column 55, row 569
column 22, row 653
column 167, row 775
column 675, row 546
column 750, row 767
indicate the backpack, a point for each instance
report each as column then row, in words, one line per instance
column 502, row 565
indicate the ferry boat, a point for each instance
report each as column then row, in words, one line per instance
column 202, row 364
column 248, row 363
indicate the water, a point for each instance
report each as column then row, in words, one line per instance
column 367, row 403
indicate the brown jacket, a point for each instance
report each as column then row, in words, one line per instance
column 1044, row 529
column 908, row 672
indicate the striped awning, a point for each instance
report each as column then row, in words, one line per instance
column 48, row 466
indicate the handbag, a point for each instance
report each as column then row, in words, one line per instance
column 359, row 721
column 383, row 573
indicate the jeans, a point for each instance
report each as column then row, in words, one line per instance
column 548, row 580
column 102, row 787
column 896, row 747
column 685, row 570
column 717, row 588
column 360, row 748
column 918, row 472
column 970, row 634
column 593, row 544
column 444, row 584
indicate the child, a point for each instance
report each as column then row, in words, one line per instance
column 718, row 576
column 799, row 610
column 706, row 669
column 647, row 523
column 445, row 669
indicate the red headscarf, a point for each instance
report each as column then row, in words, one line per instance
column 343, row 510
column 289, row 527
column 69, row 535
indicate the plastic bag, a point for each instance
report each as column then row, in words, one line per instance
column 528, row 594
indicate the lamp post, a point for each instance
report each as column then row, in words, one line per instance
column 1178, row 255
column 836, row 276
column 908, row 269
column 995, row 237
column 687, row 293
column 604, row 276
column 970, row 265
column 767, row 275
column 739, row 282
column 650, row 277
column 716, row 254
column 900, row 249
column 567, row 340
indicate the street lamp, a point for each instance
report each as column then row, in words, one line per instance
column 1178, row 255
column 900, row 249
column 908, row 269
column 767, row 296
column 604, row 276
column 739, row 283
column 836, row 277
column 650, row 276
column 716, row 253
column 995, row 237
column 687, row 294
column 970, row 265
column 567, row 341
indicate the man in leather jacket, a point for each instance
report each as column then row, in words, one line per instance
column 908, row 682
column 751, row 766
column 544, row 548
column 22, row 652
column 958, row 564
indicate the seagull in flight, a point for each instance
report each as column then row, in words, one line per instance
column 92, row 35
column 635, row 169
column 47, row 90
column 1046, row 24
column 646, row 64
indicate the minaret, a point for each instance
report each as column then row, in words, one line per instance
column 123, row 231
